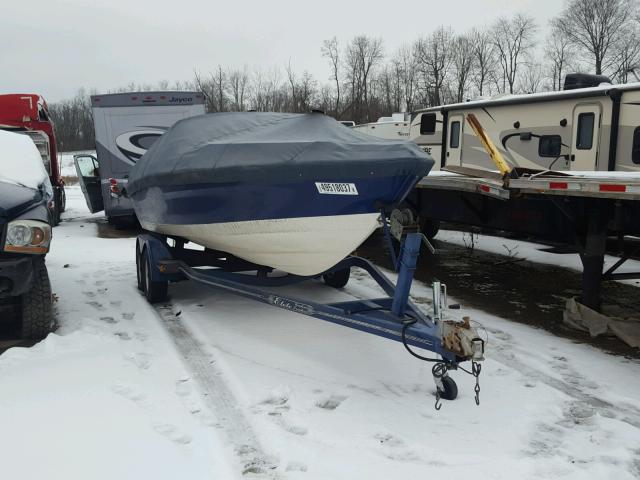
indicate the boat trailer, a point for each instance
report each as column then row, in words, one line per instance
column 394, row 317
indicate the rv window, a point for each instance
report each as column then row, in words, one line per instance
column 428, row 124
column 454, row 140
column 585, row 131
column 635, row 153
column 550, row 146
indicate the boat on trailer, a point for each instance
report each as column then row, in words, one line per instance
column 293, row 192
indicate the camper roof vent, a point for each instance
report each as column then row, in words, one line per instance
column 584, row 80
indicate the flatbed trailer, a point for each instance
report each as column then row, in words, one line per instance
column 161, row 259
column 578, row 209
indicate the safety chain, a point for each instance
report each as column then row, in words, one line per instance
column 476, row 368
column 439, row 370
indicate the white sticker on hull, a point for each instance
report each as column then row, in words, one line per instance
column 337, row 188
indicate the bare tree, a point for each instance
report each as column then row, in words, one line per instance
column 595, row 26
column 484, row 58
column 559, row 52
column 463, row 59
column 626, row 54
column 238, row 80
column 331, row 50
column 434, row 58
column 513, row 39
column 363, row 56
column 404, row 62
column 531, row 78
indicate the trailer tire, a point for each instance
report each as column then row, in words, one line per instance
column 139, row 268
column 337, row 279
column 429, row 227
column 37, row 304
column 450, row 391
column 155, row 291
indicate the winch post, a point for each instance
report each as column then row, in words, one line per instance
column 409, row 253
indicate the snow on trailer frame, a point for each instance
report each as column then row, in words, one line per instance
column 394, row 317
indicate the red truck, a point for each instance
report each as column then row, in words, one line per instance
column 28, row 114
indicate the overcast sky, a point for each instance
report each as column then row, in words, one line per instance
column 54, row 47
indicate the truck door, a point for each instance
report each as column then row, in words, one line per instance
column 454, row 142
column 586, row 137
column 88, row 171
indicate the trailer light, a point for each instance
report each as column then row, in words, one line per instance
column 612, row 188
column 28, row 236
column 113, row 186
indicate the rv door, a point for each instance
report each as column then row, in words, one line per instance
column 586, row 137
column 88, row 171
column 454, row 142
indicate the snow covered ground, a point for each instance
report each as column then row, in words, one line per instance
column 534, row 252
column 212, row 385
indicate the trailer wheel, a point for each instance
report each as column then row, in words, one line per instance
column 450, row 391
column 337, row 279
column 139, row 269
column 37, row 304
column 155, row 291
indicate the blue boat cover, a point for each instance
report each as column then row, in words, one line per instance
column 263, row 147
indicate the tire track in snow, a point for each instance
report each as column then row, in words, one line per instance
column 219, row 398
column 505, row 355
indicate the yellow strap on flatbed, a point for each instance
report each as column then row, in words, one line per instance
column 488, row 145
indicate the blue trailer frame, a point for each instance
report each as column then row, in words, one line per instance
column 394, row 317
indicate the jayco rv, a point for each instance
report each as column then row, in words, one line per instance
column 596, row 128
column 126, row 125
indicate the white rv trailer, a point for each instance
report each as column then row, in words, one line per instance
column 591, row 133
column 126, row 125
column 581, row 129
column 391, row 128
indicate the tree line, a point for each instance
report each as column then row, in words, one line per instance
column 365, row 82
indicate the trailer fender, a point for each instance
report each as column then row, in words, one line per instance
column 158, row 250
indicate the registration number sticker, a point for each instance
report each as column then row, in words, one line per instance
column 337, row 188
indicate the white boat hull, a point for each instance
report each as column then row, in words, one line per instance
column 302, row 246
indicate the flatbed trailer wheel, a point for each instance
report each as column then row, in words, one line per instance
column 155, row 291
column 337, row 279
column 139, row 269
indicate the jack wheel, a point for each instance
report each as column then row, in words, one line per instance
column 450, row 391
column 155, row 291
column 337, row 279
